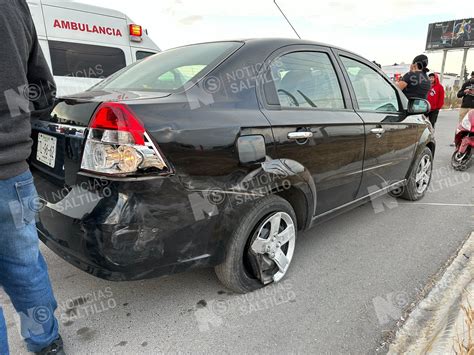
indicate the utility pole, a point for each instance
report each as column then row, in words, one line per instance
column 463, row 67
column 443, row 64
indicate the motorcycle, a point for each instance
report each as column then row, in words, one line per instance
column 464, row 142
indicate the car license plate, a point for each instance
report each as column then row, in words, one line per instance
column 46, row 152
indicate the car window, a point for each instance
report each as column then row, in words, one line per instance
column 307, row 79
column 174, row 78
column 85, row 60
column 170, row 70
column 373, row 92
column 143, row 54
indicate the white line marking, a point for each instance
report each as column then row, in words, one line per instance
column 437, row 204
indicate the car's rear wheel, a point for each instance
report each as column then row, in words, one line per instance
column 420, row 177
column 261, row 248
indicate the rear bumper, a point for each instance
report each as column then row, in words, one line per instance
column 125, row 231
column 102, row 269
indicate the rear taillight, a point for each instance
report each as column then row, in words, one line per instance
column 117, row 144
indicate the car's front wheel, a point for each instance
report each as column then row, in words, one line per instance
column 261, row 248
column 420, row 177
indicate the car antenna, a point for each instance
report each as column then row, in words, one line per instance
column 286, row 18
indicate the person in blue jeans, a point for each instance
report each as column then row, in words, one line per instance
column 26, row 88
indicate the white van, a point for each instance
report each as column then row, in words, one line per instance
column 84, row 44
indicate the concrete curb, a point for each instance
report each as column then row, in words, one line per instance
column 438, row 320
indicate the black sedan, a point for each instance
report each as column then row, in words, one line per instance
column 217, row 154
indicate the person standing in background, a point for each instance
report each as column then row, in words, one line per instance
column 415, row 83
column 467, row 95
column 26, row 86
column 435, row 98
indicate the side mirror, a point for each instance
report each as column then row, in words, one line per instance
column 418, row 107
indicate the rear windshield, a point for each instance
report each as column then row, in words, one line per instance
column 169, row 70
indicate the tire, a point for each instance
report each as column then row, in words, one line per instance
column 465, row 163
column 411, row 190
column 236, row 271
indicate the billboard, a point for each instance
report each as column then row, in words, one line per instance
column 450, row 34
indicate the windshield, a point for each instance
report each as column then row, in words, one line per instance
column 169, row 70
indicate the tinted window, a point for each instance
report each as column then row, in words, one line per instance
column 142, row 54
column 372, row 91
column 307, row 79
column 84, row 60
column 175, row 78
column 171, row 69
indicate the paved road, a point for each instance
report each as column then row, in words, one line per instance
column 348, row 282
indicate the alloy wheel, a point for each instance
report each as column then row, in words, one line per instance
column 274, row 246
column 423, row 174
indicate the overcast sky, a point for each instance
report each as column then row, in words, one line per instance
column 387, row 31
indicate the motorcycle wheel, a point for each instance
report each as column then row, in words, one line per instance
column 461, row 162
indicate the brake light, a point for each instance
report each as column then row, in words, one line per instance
column 136, row 30
column 118, row 144
column 118, row 117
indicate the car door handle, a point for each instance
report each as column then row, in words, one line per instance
column 377, row 131
column 300, row 135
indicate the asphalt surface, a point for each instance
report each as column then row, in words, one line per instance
column 349, row 281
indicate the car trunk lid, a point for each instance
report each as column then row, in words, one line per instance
column 58, row 138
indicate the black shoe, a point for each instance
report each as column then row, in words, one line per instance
column 56, row 348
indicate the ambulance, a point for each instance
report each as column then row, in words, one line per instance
column 84, row 44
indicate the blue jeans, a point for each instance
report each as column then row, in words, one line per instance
column 23, row 271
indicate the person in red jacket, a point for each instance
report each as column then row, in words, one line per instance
column 435, row 98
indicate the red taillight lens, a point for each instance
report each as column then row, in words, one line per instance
column 117, row 144
column 136, row 30
column 118, row 117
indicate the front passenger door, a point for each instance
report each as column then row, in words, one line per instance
column 307, row 97
column 390, row 139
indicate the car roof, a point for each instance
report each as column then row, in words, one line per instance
column 277, row 42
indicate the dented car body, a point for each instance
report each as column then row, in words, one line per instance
column 220, row 133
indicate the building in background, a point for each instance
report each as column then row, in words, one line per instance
column 395, row 71
column 451, row 80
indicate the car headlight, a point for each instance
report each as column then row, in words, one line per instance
column 465, row 123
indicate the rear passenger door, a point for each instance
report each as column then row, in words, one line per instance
column 390, row 141
column 313, row 121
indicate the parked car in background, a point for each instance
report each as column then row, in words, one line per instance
column 217, row 154
column 84, row 44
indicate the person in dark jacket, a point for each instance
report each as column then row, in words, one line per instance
column 435, row 98
column 26, row 87
column 415, row 83
column 467, row 95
